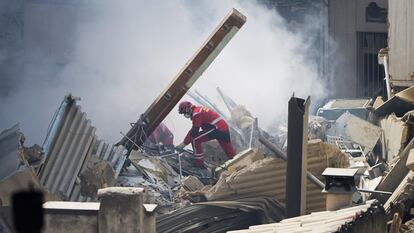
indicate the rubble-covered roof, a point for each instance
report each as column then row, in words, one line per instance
column 267, row 177
column 221, row 216
column 324, row 221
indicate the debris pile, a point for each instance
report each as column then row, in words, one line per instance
column 366, row 145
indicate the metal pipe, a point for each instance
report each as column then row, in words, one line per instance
column 179, row 165
column 129, row 139
column 225, row 100
column 253, row 128
column 387, row 77
column 374, row 191
column 278, row 152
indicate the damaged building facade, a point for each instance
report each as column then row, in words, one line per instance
column 348, row 167
column 346, row 38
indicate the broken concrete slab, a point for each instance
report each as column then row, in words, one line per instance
column 399, row 104
column 243, row 159
column 317, row 127
column 410, row 160
column 156, row 168
column 124, row 203
column 191, row 183
column 191, row 190
column 68, row 217
column 33, row 155
column 402, row 197
column 396, row 133
column 357, row 130
column 97, row 174
column 394, row 177
column 15, row 172
column 336, row 107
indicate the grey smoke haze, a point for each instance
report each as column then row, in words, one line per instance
column 119, row 55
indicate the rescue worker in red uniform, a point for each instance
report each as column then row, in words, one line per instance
column 161, row 135
column 213, row 127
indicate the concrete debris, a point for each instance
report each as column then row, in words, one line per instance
column 157, row 169
column 15, row 174
column 191, row 183
column 192, row 190
column 98, row 174
column 402, row 197
column 241, row 160
column 318, row 127
column 356, row 130
column 407, row 227
column 151, row 177
column 396, row 135
column 33, row 155
column 399, row 104
column 371, row 137
column 333, row 109
column 395, row 174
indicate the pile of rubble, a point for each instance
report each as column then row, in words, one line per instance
column 73, row 164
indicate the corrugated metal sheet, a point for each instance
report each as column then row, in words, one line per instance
column 268, row 178
column 69, row 145
column 401, row 37
column 221, row 216
column 325, row 221
column 15, row 173
column 114, row 155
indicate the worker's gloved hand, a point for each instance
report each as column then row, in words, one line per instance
column 181, row 146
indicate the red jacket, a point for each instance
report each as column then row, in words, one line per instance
column 205, row 119
column 162, row 134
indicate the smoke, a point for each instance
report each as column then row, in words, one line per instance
column 119, row 55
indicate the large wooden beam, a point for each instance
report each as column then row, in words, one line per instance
column 187, row 76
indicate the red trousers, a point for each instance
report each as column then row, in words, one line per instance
column 223, row 139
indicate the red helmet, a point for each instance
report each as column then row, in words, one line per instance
column 185, row 107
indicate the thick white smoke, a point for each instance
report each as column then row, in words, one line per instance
column 122, row 54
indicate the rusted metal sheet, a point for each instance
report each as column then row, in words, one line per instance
column 188, row 75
